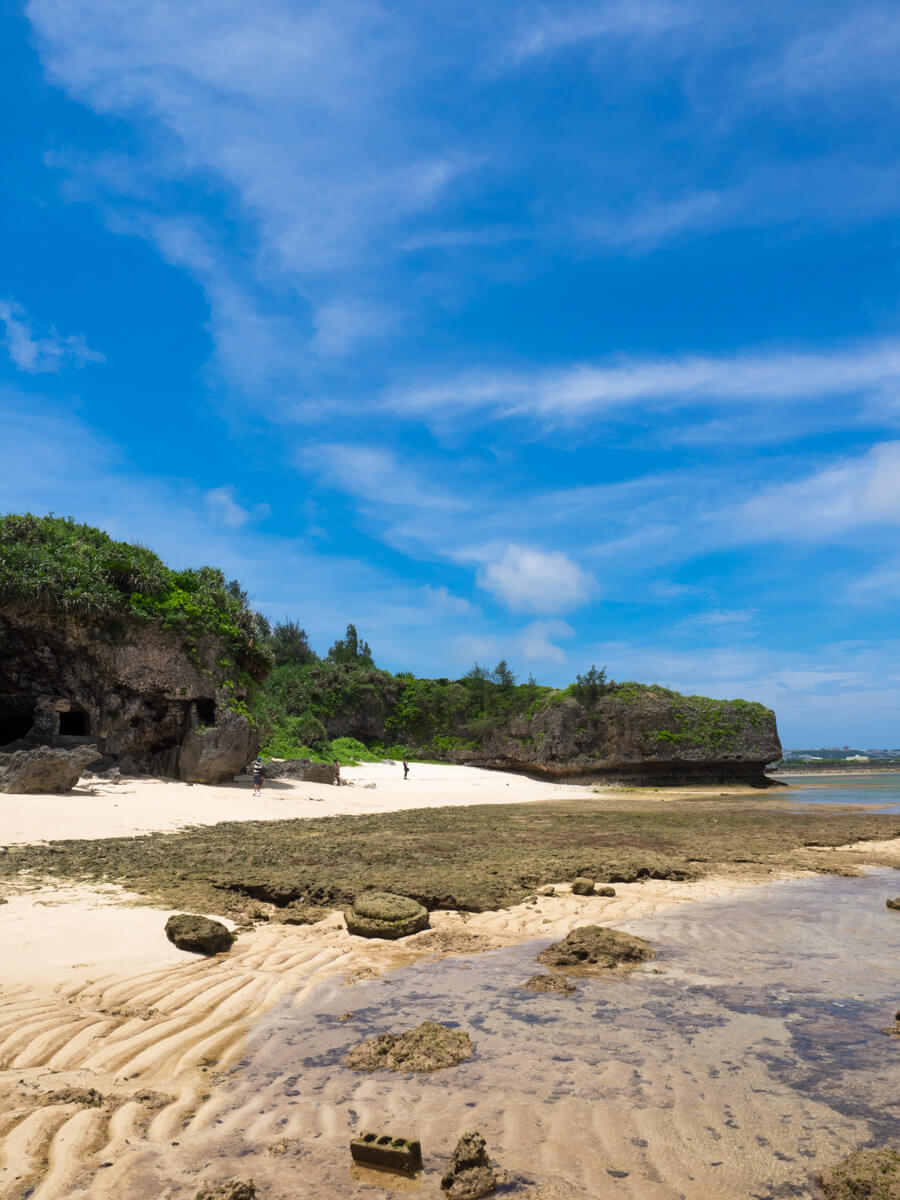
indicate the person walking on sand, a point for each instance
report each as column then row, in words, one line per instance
column 257, row 776
column 405, row 768
column 337, row 771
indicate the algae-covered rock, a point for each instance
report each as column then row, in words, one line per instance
column 383, row 915
column 200, row 935
column 231, row 1189
column 895, row 903
column 429, row 1047
column 470, row 1175
column 605, row 891
column 582, row 886
column 550, row 983
column 864, row 1175
column 593, row 946
column 301, row 914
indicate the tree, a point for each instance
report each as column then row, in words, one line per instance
column 290, row 645
column 351, row 649
column 503, row 675
column 588, row 688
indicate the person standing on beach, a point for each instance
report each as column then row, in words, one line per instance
column 257, row 776
column 337, row 771
column 405, row 768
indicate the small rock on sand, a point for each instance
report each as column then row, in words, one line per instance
column 384, row 915
column 582, row 886
column 593, row 946
column 429, row 1047
column 200, row 935
column 864, row 1175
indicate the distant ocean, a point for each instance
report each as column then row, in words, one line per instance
column 868, row 789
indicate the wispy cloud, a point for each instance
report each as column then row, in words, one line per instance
column 39, row 355
column 537, row 644
column 585, row 390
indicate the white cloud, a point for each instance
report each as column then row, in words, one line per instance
column 536, row 644
column 555, row 30
column 38, row 355
column 845, row 496
column 376, row 475
column 583, row 391
column 526, row 579
column 224, row 509
column 716, row 618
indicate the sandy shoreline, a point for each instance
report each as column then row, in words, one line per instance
column 94, row 997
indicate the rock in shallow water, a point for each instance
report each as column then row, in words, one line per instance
column 471, row 1174
column 895, row 903
column 200, row 935
column 428, row 1047
column 582, row 886
column 384, row 915
column 864, row 1175
column 550, row 983
column 594, row 946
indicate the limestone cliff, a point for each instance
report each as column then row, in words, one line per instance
column 635, row 734
column 151, row 703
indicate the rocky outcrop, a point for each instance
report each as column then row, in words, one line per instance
column 134, row 692
column 383, row 915
column 864, row 1175
column 593, row 946
column 199, row 935
column 637, row 735
column 44, row 769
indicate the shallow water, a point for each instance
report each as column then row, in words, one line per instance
column 881, row 790
column 746, row 1056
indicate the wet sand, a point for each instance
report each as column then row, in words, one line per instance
column 746, row 1056
column 94, row 997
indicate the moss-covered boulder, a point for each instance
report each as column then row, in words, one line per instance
column 199, row 935
column 583, row 886
column 428, row 1047
column 864, row 1175
column 592, row 946
column 384, row 915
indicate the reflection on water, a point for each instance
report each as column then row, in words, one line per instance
column 746, row 1055
column 881, row 790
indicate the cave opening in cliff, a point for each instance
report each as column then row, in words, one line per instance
column 206, row 711
column 74, row 723
column 16, row 719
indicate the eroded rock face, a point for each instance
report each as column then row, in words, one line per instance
column 429, row 1047
column 593, row 946
column 383, row 915
column 637, row 735
column 44, row 768
column 864, row 1175
column 133, row 692
column 199, row 935
column 471, row 1174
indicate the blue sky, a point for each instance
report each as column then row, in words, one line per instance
column 564, row 333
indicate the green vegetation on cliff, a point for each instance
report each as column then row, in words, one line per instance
column 54, row 564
